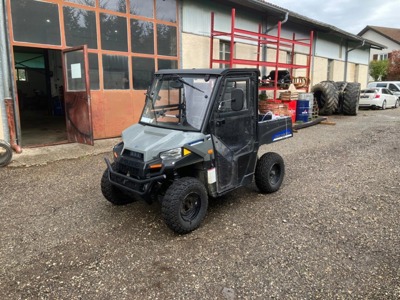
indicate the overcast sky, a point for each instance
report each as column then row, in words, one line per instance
column 349, row 15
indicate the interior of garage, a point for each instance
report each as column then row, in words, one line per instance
column 40, row 96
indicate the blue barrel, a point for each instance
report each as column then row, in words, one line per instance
column 302, row 110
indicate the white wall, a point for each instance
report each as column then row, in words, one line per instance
column 380, row 39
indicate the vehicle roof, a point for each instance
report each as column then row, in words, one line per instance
column 374, row 90
column 207, row 71
column 388, row 81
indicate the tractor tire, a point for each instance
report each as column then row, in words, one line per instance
column 351, row 97
column 340, row 86
column 327, row 97
column 270, row 170
column 112, row 193
column 5, row 153
column 184, row 205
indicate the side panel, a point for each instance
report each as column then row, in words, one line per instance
column 274, row 130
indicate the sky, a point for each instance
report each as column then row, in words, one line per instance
column 349, row 15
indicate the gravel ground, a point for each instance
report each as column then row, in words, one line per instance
column 330, row 232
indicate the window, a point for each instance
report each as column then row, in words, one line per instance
column 393, row 88
column 83, row 2
column 143, row 69
column 230, row 85
column 22, row 75
column 35, row 22
column 113, row 33
column 94, row 71
column 167, row 64
column 289, row 57
column 142, row 8
column 224, row 53
column 114, row 5
column 166, row 10
column 142, row 36
column 80, row 27
column 115, row 72
column 383, row 56
column 166, row 40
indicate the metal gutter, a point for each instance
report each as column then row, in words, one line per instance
column 300, row 19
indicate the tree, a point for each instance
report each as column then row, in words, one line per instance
column 378, row 69
column 394, row 66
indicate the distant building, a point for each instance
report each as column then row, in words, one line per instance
column 389, row 37
column 125, row 42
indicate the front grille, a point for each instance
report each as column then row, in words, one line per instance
column 131, row 167
column 133, row 154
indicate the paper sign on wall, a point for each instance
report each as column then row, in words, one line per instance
column 76, row 71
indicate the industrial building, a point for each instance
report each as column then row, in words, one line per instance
column 77, row 70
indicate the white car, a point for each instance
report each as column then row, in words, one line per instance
column 378, row 98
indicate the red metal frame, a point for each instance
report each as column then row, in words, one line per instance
column 262, row 39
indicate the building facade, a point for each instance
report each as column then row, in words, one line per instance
column 389, row 37
column 59, row 54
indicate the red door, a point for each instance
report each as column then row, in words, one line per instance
column 77, row 95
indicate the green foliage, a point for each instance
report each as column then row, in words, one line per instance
column 378, row 69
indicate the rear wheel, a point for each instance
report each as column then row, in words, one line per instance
column 111, row 192
column 185, row 205
column 384, row 104
column 270, row 171
column 396, row 105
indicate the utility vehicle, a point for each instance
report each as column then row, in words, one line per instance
column 198, row 137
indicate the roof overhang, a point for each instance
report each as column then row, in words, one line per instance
column 317, row 26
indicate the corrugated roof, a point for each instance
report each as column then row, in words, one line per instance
column 392, row 34
column 300, row 19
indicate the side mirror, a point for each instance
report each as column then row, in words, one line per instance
column 237, row 99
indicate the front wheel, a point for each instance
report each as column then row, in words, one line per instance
column 185, row 205
column 270, row 171
column 111, row 192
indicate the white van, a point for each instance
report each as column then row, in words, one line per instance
column 394, row 86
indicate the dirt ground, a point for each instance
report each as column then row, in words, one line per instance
column 330, row 232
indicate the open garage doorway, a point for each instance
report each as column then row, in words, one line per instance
column 39, row 78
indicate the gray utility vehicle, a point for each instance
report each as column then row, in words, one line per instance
column 198, row 136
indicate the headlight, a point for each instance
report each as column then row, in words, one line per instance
column 117, row 151
column 175, row 153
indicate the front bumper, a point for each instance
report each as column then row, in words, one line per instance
column 141, row 187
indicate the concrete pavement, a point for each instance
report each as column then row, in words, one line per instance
column 43, row 155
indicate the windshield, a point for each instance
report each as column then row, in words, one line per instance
column 178, row 102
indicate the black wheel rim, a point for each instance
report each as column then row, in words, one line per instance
column 190, row 207
column 274, row 174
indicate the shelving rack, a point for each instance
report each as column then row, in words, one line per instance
column 262, row 39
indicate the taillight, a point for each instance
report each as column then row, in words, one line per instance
column 377, row 95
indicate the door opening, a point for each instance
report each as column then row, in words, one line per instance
column 39, row 78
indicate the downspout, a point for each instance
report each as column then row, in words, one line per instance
column 9, row 88
column 346, row 60
column 264, row 48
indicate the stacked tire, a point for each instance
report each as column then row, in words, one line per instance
column 337, row 97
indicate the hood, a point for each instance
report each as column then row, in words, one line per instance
column 152, row 140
